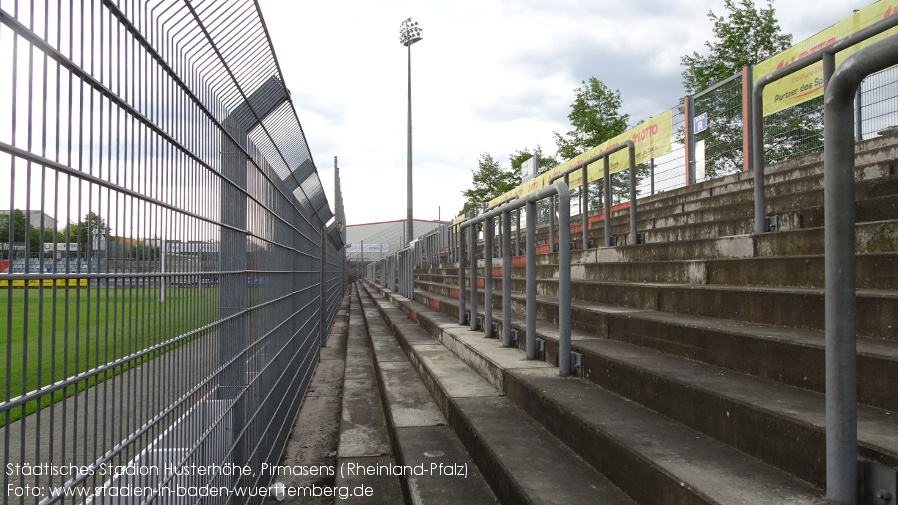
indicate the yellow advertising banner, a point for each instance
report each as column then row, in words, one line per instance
column 652, row 139
column 807, row 83
column 43, row 282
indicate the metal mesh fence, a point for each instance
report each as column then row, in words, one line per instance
column 668, row 170
column 718, row 148
column 794, row 132
column 170, row 263
column 878, row 104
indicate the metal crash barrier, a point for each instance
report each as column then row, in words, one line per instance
column 564, row 272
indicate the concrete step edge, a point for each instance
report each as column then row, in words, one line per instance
column 511, row 475
column 724, row 344
column 420, row 437
column 671, row 480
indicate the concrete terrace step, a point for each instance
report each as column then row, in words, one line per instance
column 794, row 211
column 726, row 215
column 874, row 158
column 733, row 196
column 653, row 458
column 870, row 237
column 792, row 307
column 730, row 190
column 790, row 356
column 802, row 308
column 420, row 437
column 874, row 271
column 315, row 435
column 364, row 439
column 496, row 433
column 874, row 210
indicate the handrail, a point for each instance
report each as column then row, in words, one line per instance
column 757, row 111
column 839, row 261
column 564, row 274
column 607, row 181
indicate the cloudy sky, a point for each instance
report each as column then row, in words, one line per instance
column 489, row 76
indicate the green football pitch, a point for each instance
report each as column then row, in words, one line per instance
column 54, row 333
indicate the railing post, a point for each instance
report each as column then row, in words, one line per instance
column 757, row 157
column 472, row 246
column 564, row 283
column 632, row 152
column 461, row 275
column 839, row 263
column 839, row 297
column 607, row 203
column 531, row 280
column 552, row 224
column 689, row 139
column 488, row 278
column 506, row 280
column 747, row 134
column 584, row 206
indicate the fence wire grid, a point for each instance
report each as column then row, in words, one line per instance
column 170, row 263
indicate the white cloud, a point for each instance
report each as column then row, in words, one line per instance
column 489, row 76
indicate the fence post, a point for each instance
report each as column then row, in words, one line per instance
column 747, row 135
column 322, row 293
column 632, row 158
column 689, row 144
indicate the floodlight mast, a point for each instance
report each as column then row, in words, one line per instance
column 409, row 33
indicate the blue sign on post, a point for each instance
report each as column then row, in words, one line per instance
column 700, row 123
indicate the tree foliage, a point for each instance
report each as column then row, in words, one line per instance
column 521, row 155
column 595, row 116
column 489, row 181
column 24, row 232
column 83, row 231
column 744, row 37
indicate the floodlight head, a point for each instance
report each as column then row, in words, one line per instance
column 409, row 32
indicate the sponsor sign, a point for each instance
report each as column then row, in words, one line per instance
column 807, row 83
column 368, row 248
column 652, row 139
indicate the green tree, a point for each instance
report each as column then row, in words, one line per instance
column 545, row 162
column 83, row 231
column 743, row 37
column 596, row 118
column 22, row 231
column 489, row 181
column 521, row 155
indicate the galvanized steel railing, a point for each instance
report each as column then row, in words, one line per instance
column 564, row 272
column 757, row 108
column 582, row 166
column 839, row 230
column 137, row 132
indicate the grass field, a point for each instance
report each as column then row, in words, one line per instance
column 89, row 327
